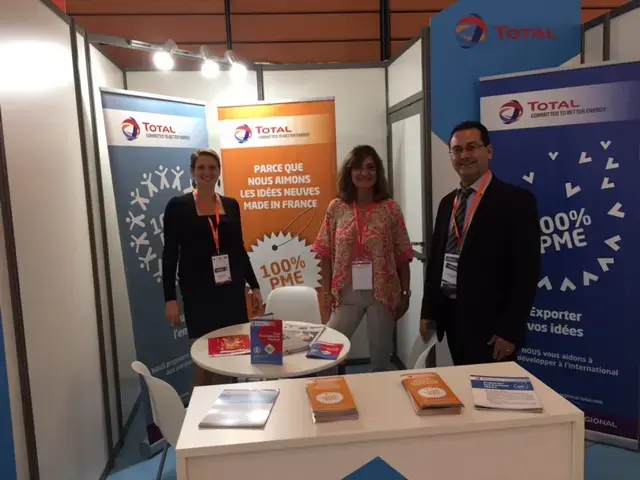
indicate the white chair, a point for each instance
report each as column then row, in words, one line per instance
column 422, row 359
column 295, row 303
column 166, row 406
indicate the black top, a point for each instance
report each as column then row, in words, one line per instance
column 189, row 247
column 498, row 269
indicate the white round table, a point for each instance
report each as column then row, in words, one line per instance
column 239, row 366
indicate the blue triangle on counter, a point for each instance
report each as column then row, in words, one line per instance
column 376, row 469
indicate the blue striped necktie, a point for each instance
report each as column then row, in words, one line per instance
column 453, row 245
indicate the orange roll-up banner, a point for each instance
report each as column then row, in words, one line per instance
column 279, row 162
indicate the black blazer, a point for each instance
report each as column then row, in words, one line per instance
column 499, row 266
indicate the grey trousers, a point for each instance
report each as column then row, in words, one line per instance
column 346, row 318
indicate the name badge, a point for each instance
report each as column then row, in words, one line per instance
column 221, row 269
column 362, row 275
column 450, row 271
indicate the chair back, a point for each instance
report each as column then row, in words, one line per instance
column 168, row 409
column 422, row 359
column 295, row 303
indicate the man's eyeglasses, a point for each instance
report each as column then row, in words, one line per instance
column 457, row 151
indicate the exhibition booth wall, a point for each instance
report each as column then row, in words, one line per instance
column 65, row 307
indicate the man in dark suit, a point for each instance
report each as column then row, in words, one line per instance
column 484, row 261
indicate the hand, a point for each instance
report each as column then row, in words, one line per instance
column 256, row 299
column 501, row 348
column 402, row 308
column 424, row 330
column 172, row 311
column 329, row 304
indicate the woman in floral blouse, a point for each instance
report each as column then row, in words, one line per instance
column 365, row 253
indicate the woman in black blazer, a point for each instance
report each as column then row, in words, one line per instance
column 203, row 244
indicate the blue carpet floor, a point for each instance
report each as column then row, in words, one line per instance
column 601, row 462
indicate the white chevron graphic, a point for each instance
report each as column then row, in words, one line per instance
column 612, row 242
column 615, row 211
column 571, row 191
column 545, row 282
column 606, row 184
column 587, row 278
column 584, row 158
column 567, row 284
column 611, row 164
column 529, row 178
column 604, row 263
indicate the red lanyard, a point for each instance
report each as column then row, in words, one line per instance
column 214, row 228
column 360, row 229
column 472, row 208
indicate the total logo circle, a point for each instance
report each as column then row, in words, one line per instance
column 511, row 112
column 330, row 398
column 243, row 133
column 471, row 30
column 432, row 392
column 130, row 129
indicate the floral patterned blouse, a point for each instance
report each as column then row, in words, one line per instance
column 386, row 245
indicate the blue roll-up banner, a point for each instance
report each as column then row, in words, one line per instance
column 7, row 454
column 571, row 137
column 150, row 140
column 473, row 39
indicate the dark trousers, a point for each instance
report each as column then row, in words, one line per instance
column 465, row 346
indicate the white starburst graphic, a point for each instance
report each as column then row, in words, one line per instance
column 566, row 229
column 280, row 260
column 145, row 231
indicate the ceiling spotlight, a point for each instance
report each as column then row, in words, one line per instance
column 230, row 57
column 163, row 59
column 210, row 69
column 238, row 71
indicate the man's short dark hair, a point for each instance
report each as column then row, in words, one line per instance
column 470, row 125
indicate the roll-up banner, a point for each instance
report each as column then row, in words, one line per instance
column 279, row 162
column 150, row 140
column 473, row 39
column 7, row 455
column 571, row 137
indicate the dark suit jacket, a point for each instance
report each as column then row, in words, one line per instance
column 498, row 270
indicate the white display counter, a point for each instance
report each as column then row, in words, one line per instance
column 478, row 445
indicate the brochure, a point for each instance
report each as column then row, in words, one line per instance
column 298, row 338
column 229, row 345
column 430, row 394
column 504, row 393
column 325, row 351
column 241, row 408
column 266, row 340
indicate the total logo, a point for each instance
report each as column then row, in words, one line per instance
column 131, row 129
column 512, row 111
column 472, row 30
column 244, row 133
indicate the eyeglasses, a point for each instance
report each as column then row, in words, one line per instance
column 457, row 151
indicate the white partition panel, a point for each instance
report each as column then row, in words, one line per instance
column 408, row 183
column 44, row 160
column 443, row 180
column 625, row 36
column 360, row 119
column 405, row 74
column 593, row 44
column 106, row 74
column 11, row 356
